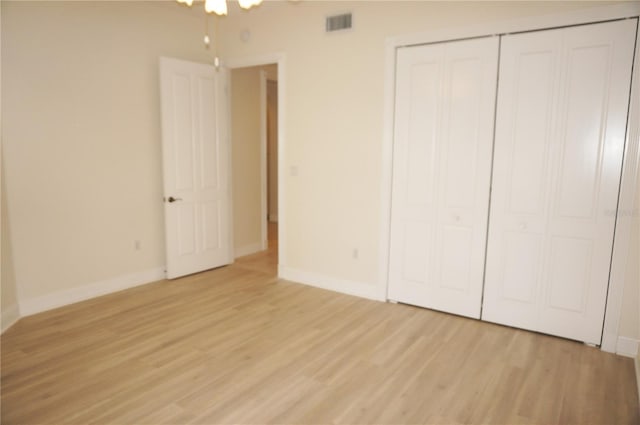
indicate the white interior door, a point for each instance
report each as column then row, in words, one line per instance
column 445, row 102
column 560, row 132
column 196, row 167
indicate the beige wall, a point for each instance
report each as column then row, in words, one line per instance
column 9, row 296
column 245, row 147
column 81, row 136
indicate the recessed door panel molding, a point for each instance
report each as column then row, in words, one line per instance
column 181, row 111
column 186, row 221
column 208, row 139
column 421, row 140
column 569, row 279
column 522, row 262
column 211, row 216
column 532, row 98
column 414, row 252
column 457, row 258
column 445, row 97
column 560, row 131
column 196, row 167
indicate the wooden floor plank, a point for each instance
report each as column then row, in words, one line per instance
column 236, row 345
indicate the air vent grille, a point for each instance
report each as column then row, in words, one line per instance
column 339, row 22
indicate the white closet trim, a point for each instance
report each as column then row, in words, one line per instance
column 632, row 153
column 628, row 192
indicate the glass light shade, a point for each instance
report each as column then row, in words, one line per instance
column 247, row 4
column 219, row 7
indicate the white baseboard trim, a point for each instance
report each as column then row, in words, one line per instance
column 9, row 317
column 248, row 249
column 349, row 287
column 91, row 290
column 627, row 346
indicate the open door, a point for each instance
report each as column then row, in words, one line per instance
column 195, row 154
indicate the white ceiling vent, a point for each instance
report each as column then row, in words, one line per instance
column 339, row 22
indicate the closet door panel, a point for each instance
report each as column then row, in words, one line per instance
column 530, row 127
column 521, row 175
column 576, row 147
column 593, row 110
column 445, row 96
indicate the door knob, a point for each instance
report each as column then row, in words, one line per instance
column 172, row 199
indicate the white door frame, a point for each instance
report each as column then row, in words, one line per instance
column 260, row 60
column 630, row 165
column 264, row 212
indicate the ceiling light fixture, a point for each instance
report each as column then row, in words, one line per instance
column 219, row 7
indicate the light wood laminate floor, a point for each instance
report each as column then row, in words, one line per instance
column 236, row 345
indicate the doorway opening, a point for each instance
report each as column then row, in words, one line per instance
column 254, row 145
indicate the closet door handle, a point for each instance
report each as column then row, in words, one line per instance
column 172, row 199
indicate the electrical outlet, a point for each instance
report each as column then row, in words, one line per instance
column 137, row 245
column 355, row 253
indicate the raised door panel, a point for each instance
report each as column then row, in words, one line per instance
column 442, row 153
column 211, row 213
column 421, row 139
column 210, row 163
column 186, row 230
column 181, row 148
column 208, row 140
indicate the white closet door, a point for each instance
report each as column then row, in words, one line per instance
column 445, row 97
column 560, row 130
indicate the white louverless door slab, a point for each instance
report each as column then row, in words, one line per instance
column 560, row 130
column 445, row 102
column 196, row 167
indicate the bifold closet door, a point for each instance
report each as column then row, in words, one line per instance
column 560, row 131
column 445, row 102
